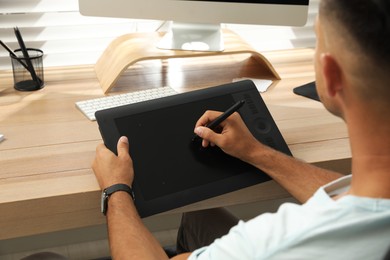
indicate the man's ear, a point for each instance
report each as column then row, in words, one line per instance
column 332, row 73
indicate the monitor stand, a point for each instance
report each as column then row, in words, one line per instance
column 129, row 49
column 193, row 37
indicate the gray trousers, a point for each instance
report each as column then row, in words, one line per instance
column 45, row 256
column 197, row 229
column 201, row 228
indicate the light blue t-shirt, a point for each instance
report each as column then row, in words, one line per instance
column 322, row 228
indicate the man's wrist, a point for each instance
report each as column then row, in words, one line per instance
column 255, row 153
column 115, row 189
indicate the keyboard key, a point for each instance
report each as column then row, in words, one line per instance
column 89, row 107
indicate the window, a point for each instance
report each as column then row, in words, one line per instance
column 68, row 38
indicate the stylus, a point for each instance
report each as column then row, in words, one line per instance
column 216, row 122
column 26, row 56
column 12, row 53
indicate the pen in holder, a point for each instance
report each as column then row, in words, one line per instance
column 28, row 78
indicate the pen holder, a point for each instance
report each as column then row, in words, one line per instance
column 28, row 72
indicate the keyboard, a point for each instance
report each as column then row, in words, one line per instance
column 89, row 107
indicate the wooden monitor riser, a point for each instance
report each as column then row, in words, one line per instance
column 128, row 49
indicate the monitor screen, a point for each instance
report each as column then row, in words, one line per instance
column 210, row 14
column 267, row 12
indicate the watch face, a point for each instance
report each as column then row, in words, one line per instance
column 110, row 190
column 103, row 203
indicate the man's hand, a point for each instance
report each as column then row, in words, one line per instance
column 233, row 137
column 111, row 169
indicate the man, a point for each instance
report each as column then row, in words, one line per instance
column 349, row 217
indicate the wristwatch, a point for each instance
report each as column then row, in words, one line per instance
column 107, row 192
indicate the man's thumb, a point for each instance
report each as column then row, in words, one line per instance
column 123, row 145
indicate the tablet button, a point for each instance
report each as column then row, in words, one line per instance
column 262, row 126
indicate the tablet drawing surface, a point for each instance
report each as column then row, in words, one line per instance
column 172, row 170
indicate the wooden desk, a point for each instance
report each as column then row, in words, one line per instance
column 46, row 183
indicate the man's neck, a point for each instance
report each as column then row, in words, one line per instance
column 371, row 177
column 370, row 145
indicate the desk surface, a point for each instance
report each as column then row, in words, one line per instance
column 46, row 183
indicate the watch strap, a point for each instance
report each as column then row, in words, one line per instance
column 107, row 192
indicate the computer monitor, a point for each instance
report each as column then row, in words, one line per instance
column 197, row 23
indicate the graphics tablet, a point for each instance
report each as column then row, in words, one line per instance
column 308, row 90
column 171, row 170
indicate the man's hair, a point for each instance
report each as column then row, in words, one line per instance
column 367, row 22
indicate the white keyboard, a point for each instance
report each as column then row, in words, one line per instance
column 89, row 107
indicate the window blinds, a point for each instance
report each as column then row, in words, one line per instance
column 68, row 38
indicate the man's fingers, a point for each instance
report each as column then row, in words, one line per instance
column 207, row 135
column 207, row 117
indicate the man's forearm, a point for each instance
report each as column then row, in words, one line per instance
column 128, row 237
column 300, row 179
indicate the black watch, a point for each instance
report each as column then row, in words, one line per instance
column 107, row 192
